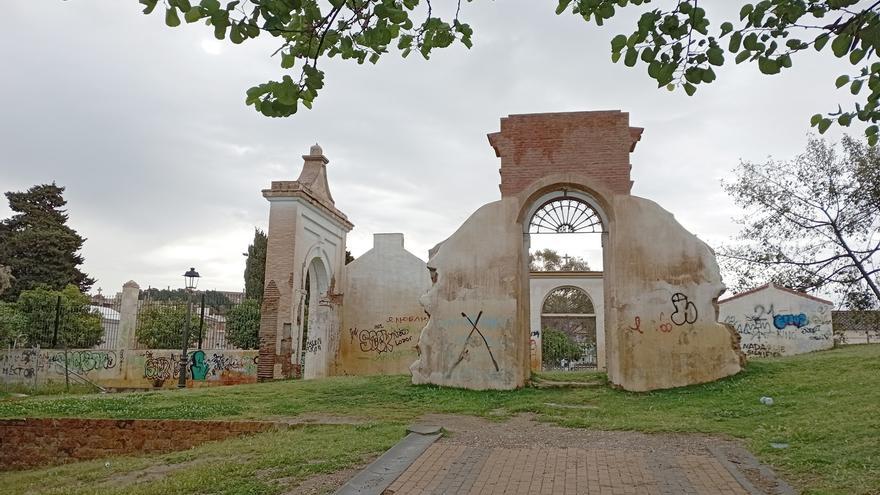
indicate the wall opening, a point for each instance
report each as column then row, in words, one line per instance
column 568, row 312
column 315, row 332
column 564, row 233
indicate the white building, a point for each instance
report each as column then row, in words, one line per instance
column 776, row 321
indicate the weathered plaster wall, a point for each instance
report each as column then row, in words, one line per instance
column 382, row 317
column 661, row 282
column 541, row 285
column 474, row 337
column 122, row 368
column 663, row 285
column 778, row 322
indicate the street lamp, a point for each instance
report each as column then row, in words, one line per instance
column 191, row 279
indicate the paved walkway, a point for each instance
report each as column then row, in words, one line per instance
column 526, row 457
column 446, row 468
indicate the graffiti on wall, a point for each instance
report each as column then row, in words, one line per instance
column 684, row 312
column 220, row 365
column 387, row 336
column 799, row 320
column 765, row 324
column 467, row 342
column 20, row 364
column 83, row 361
column 202, row 367
column 313, row 345
column 160, row 368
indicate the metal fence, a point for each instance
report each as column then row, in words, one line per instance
column 162, row 316
column 57, row 322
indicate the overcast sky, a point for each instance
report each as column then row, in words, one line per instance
column 163, row 163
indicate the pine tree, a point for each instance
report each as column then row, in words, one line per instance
column 37, row 245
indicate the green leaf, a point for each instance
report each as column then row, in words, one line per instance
column 840, row 45
column 690, row 89
column 618, row 43
column 563, row 4
column 741, row 57
column 856, row 56
column 210, row 5
column 735, row 40
column 841, row 81
column 768, row 65
column 844, row 119
column 171, row 19
column 715, row 55
column 815, row 119
column 193, row 14
column 149, row 5
column 726, row 27
column 856, row 86
column 823, row 126
column 235, row 34
column 615, row 56
column 821, row 40
column 631, row 57
column 746, row 10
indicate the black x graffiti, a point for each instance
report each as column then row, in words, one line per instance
column 475, row 329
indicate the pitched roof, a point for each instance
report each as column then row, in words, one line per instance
column 784, row 289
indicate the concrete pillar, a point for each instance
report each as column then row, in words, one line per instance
column 128, row 315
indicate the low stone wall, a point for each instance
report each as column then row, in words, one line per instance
column 27, row 443
column 123, row 368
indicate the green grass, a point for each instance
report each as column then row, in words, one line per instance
column 827, row 407
column 266, row 463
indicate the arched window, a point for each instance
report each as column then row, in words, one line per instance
column 565, row 215
column 571, row 311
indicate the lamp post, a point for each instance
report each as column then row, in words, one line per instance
column 191, row 279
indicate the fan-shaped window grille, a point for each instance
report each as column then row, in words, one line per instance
column 565, row 216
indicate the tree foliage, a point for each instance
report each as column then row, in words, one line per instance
column 30, row 321
column 557, row 345
column 255, row 267
column 811, row 223
column 5, row 278
column 243, row 325
column 37, row 245
column 309, row 30
column 161, row 326
column 676, row 41
column 548, row 260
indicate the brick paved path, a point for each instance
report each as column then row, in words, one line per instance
column 447, row 468
column 522, row 456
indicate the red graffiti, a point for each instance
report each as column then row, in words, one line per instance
column 638, row 327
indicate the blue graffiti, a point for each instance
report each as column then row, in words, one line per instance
column 798, row 320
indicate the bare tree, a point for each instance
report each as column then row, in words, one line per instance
column 811, row 223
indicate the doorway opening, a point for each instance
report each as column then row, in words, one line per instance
column 565, row 234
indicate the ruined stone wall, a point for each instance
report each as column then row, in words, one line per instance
column 474, row 337
column 661, row 282
column 382, row 317
column 778, row 322
column 663, row 286
column 28, row 443
column 123, row 368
